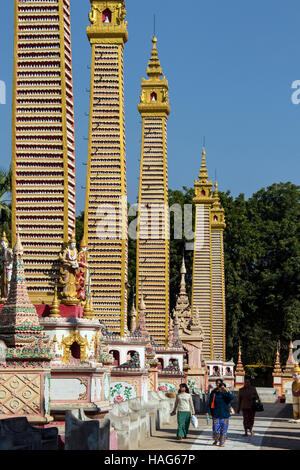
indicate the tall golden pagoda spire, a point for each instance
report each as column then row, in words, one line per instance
column 154, row 69
column 203, row 175
column 153, row 220
column 43, row 140
column 106, row 186
column 208, row 289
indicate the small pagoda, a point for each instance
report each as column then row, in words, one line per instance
column 25, row 371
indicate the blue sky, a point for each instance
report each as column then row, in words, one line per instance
column 230, row 66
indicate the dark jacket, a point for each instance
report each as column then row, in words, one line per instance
column 221, row 404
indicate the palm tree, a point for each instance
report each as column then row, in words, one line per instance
column 5, row 200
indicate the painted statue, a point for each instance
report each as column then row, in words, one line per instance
column 296, row 393
column 68, row 270
column 7, row 265
column 83, row 273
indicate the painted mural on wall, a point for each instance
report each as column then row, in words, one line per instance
column 122, row 391
column 192, row 383
column 166, row 387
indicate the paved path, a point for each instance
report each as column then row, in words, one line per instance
column 236, row 440
column 273, row 431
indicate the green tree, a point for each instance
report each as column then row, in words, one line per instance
column 5, row 204
column 79, row 228
column 262, row 269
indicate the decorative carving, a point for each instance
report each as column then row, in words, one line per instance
column 121, row 13
column 74, row 337
column 93, row 15
column 20, row 394
column 54, row 311
column 133, row 363
column 84, row 381
column 83, row 274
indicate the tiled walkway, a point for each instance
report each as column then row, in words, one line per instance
column 273, row 431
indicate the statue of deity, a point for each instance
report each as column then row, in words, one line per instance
column 93, row 15
column 83, row 273
column 296, row 394
column 165, row 96
column 121, row 13
column 7, row 264
column 68, row 270
column 143, row 96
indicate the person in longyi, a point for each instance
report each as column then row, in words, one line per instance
column 219, row 407
column 247, row 396
column 296, row 393
column 184, row 405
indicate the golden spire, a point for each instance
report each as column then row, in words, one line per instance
column 239, row 370
column 83, row 243
column 203, row 187
column 154, row 69
column 133, row 316
column 155, row 89
column 54, row 311
column 277, row 367
column 203, row 175
column 88, row 311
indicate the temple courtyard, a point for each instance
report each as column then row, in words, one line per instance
column 273, row 431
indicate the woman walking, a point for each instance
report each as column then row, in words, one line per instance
column 219, row 408
column 247, row 397
column 184, row 405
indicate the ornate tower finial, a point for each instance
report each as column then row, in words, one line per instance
column 54, row 311
column 203, row 175
column 239, row 367
column 277, row 367
column 133, row 316
column 154, row 69
column 182, row 283
column 176, row 341
column 217, row 212
column 290, row 363
column 183, row 268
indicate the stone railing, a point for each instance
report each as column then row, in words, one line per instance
column 135, row 420
column 82, row 433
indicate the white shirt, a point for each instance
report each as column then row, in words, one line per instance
column 184, row 402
